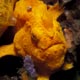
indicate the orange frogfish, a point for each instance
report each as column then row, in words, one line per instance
column 39, row 35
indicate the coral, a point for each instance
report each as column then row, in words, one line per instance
column 29, row 66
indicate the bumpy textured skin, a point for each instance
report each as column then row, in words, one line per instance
column 6, row 9
column 40, row 35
